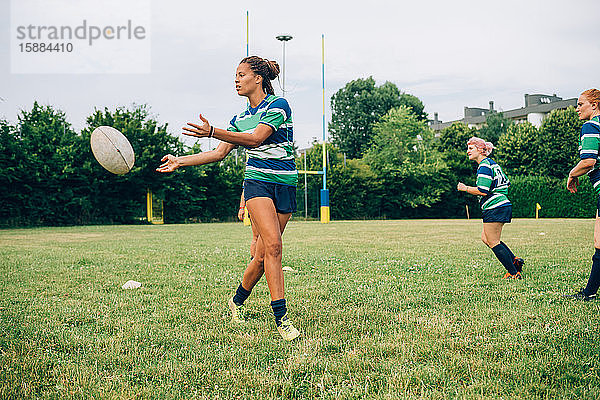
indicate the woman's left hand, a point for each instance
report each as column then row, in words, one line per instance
column 198, row 130
column 461, row 187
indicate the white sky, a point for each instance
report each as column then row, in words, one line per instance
column 450, row 54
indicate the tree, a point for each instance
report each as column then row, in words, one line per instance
column 452, row 146
column 12, row 175
column 406, row 163
column 360, row 104
column 122, row 199
column 415, row 104
column 517, row 151
column 495, row 126
column 399, row 136
column 558, row 143
column 49, row 150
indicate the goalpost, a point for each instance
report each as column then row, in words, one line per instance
column 325, row 216
column 154, row 209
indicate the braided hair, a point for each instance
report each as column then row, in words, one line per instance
column 269, row 70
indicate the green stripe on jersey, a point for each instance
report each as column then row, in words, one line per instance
column 497, row 184
column 290, row 180
column 275, row 112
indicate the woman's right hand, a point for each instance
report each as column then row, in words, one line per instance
column 170, row 163
column 572, row 183
column 241, row 213
column 461, row 187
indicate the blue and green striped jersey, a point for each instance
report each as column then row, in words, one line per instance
column 273, row 160
column 492, row 181
column 589, row 143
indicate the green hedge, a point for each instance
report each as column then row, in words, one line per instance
column 553, row 196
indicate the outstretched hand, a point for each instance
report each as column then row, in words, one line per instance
column 572, row 183
column 196, row 130
column 461, row 187
column 170, row 163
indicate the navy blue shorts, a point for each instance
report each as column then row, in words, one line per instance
column 283, row 196
column 499, row 214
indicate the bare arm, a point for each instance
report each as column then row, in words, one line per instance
column 583, row 167
column 254, row 139
column 171, row 163
column 469, row 189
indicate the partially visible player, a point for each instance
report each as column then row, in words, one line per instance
column 492, row 186
column 588, row 108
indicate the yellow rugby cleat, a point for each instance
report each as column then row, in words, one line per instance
column 287, row 330
column 236, row 312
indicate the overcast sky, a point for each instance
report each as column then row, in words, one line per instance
column 450, row 54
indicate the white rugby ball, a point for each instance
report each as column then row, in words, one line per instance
column 112, row 150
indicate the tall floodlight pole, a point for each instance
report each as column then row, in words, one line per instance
column 247, row 221
column 283, row 39
column 325, row 216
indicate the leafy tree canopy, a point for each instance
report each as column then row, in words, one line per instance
column 359, row 105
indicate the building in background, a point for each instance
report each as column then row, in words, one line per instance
column 537, row 106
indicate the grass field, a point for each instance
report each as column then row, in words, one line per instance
column 387, row 309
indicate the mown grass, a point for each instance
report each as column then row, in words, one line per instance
column 387, row 309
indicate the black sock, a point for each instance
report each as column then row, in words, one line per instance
column 512, row 256
column 241, row 295
column 594, row 281
column 279, row 310
column 503, row 255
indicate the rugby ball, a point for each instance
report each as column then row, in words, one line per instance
column 112, row 150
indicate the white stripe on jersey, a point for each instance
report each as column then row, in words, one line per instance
column 588, row 151
column 271, row 151
column 280, row 111
column 271, row 171
column 591, row 135
column 593, row 122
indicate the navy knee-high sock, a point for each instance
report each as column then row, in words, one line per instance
column 241, row 295
column 512, row 256
column 503, row 255
column 279, row 310
column 594, row 280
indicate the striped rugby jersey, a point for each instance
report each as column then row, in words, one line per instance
column 273, row 160
column 589, row 143
column 492, row 181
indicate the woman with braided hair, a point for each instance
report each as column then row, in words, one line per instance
column 265, row 129
column 588, row 108
column 492, row 186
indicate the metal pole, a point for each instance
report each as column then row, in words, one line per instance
column 283, row 38
column 325, row 214
column 305, row 189
column 323, row 84
column 247, row 34
column 283, row 89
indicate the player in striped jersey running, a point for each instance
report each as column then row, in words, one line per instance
column 265, row 129
column 492, row 185
column 588, row 108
